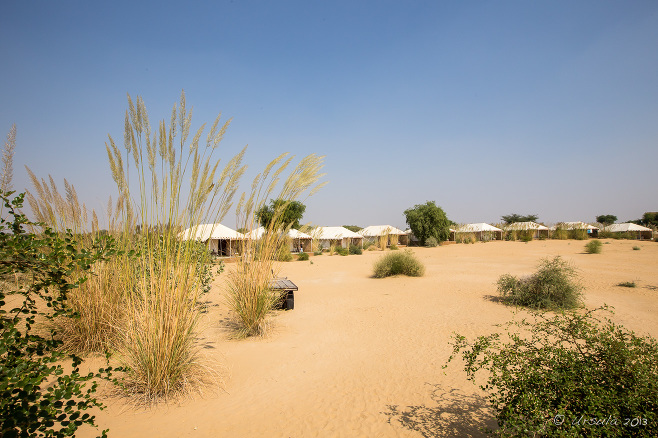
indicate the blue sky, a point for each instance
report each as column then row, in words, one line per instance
column 488, row 108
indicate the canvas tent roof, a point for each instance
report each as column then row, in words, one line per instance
column 477, row 228
column 335, row 233
column 294, row 234
column 204, row 232
column 574, row 226
column 379, row 230
column 620, row 228
column 526, row 226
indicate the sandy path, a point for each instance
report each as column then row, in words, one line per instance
column 362, row 357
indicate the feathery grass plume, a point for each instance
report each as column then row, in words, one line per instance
column 248, row 285
column 8, row 161
column 175, row 185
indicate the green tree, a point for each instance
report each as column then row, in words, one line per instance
column 606, row 219
column 650, row 218
column 353, row 228
column 428, row 220
column 514, row 218
column 37, row 396
column 291, row 213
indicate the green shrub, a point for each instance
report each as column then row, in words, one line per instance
column 39, row 394
column 399, row 263
column 341, row 251
column 627, row 284
column 355, row 249
column 284, row 254
column 556, row 376
column 593, row 247
column 636, row 248
column 393, row 247
column 554, row 286
column 431, row 242
column 302, row 256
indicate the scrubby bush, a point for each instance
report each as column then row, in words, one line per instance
column 284, row 254
column 303, row 256
column 554, row 286
column 627, row 284
column 431, row 242
column 399, row 263
column 593, row 247
column 636, row 248
column 393, row 247
column 564, row 375
column 355, row 249
column 341, row 251
column 39, row 394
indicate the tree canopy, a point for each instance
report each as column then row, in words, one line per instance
column 606, row 219
column 292, row 213
column 428, row 220
column 514, row 218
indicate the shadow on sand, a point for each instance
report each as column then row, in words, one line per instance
column 454, row 415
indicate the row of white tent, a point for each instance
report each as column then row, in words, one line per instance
column 222, row 239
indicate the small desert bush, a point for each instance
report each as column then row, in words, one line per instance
column 554, row 286
column 399, row 263
column 303, row 256
column 341, row 251
column 373, row 248
column 393, row 247
column 355, row 249
column 431, row 242
column 284, row 254
column 593, row 247
column 636, row 248
column 555, row 376
column 627, row 284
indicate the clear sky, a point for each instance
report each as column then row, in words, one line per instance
column 488, row 108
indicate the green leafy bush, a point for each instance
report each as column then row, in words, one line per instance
column 566, row 375
column 399, row 263
column 431, row 242
column 393, row 247
column 593, row 247
column 554, row 286
column 302, row 256
column 38, row 397
column 341, row 251
column 627, row 284
column 636, row 248
column 355, row 249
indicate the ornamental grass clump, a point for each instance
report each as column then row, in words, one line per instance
column 569, row 374
column 247, row 286
column 399, row 263
column 555, row 285
column 593, row 247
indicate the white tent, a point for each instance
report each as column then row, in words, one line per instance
column 481, row 230
column 528, row 226
column 220, row 238
column 297, row 238
column 337, row 236
column 374, row 232
column 642, row 233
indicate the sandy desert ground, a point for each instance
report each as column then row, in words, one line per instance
column 362, row 357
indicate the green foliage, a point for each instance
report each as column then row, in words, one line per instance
column 399, row 263
column 353, row 228
column 428, row 220
column 291, row 213
column 341, row 251
column 593, row 247
column 636, row 248
column 37, row 396
column 627, row 284
column 513, row 218
column 431, row 242
column 393, row 247
column 303, row 256
column 554, row 286
column 557, row 375
column 355, row 249
column 283, row 254
column 606, row 219
column 649, row 219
